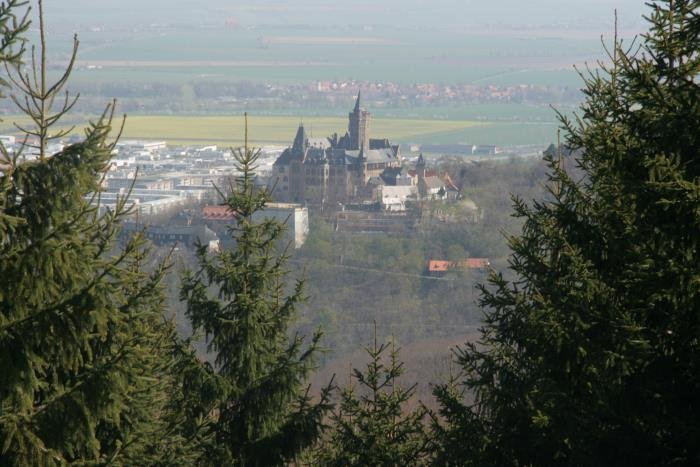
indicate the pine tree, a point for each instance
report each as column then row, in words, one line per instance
column 591, row 356
column 240, row 299
column 373, row 425
column 12, row 28
column 85, row 355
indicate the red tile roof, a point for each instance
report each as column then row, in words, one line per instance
column 435, row 265
column 476, row 263
column 217, row 213
column 438, row 265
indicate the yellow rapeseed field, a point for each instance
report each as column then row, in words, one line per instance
column 225, row 130
column 262, row 130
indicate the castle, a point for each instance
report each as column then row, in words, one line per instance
column 335, row 169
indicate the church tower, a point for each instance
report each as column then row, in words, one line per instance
column 359, row 127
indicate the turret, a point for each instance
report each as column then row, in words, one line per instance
column 301, row 141
column 420, row 167
column 358, row 126
column 357, row 102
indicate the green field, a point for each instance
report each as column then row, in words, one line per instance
column 280, row 130
column 275, row 130
column 277, row 54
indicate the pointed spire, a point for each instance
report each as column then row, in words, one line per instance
column 300, row 140
column 357, row 102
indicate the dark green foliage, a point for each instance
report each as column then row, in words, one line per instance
column 85, row 356
column 373, row 424
column 239, row 298
column 80, row 329
column 591, row 356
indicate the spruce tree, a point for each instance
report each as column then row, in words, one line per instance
column 591, row 355
column 85, row 355
column 13, row 25
column 373, row 424
column 240, row 298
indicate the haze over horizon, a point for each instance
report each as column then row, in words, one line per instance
column 177, row 57
column 440, row 14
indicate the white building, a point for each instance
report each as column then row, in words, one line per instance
column 295, row 216
column 394, row 198
column 8, row 140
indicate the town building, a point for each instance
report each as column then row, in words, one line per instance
column 334, row 169
column 439, row 268
column 170, row 235
column 294, row 216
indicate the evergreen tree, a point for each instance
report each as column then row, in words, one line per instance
column 85, row 355
column 373, row 425
column 239, row 298
column 591, row 356
column 12, row 27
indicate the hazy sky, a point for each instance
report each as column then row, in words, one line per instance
column 403, row 13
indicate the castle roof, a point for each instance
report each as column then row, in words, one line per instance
column 372, row 156
column 300, row 140
column 322, row 143
column 287, row 156
column 335, row 150
column 379, row 143
column 357, row 102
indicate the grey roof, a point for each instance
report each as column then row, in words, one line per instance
column 390, row 174
column 379, row 143
column 373, row 156
column 287, row 156
column 315, row 155
column 323, row 143
column 300, row 140
column 202, row 232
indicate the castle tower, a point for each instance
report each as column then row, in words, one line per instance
column 420, row 167
column 358, row 127
column 301, row 141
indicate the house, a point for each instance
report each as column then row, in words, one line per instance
column 294, row 216
column 393, row 198
column 441, row 267
column 167, row 235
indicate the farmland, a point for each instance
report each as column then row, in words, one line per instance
column 272, row 129
column 280, row 130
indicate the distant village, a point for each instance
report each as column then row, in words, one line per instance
column 356, row 182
